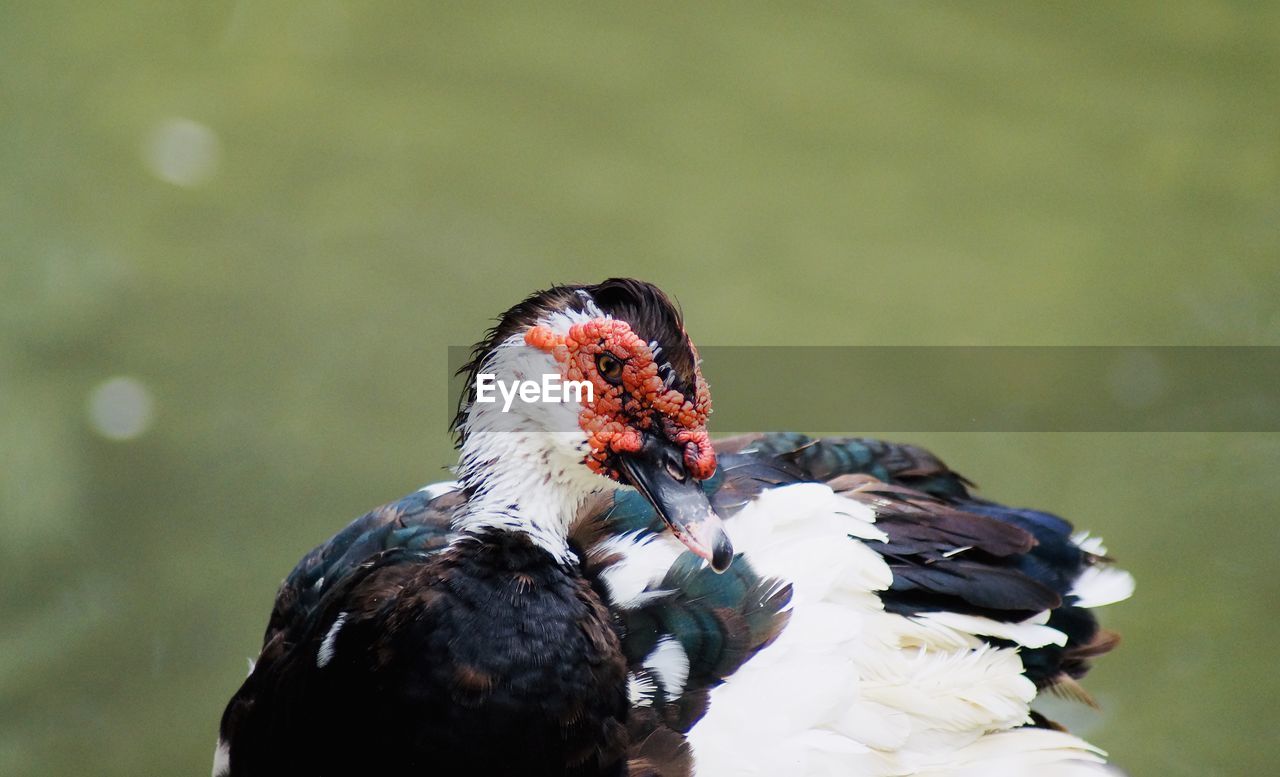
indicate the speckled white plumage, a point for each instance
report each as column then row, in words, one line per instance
column 523, row 465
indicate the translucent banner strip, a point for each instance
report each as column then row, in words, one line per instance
column 984, row 388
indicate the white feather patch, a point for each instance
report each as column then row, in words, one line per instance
column 1029, row 633
column 1102, row 585
column 222, row 759
column 971, row 690
column 325, row 654
column 524, row 463
column 1020, row 752
column 1089, row 544
column 560, row 321
column 848, row 688
column 670, row 664
column 642, row 563
column 440, row 489
column 640, row 690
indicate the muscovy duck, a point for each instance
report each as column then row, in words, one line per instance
column 604, row 591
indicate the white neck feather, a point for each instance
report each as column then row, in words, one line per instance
column 524, row 468
column 522, row 481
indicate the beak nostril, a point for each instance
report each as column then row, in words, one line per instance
column 675, row 470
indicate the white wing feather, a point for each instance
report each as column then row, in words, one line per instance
column 848, row 688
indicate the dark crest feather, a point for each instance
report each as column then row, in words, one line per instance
column 650, row 313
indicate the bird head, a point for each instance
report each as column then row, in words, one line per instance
column 633, row 407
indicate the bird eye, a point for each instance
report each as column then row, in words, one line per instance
column 609, row 368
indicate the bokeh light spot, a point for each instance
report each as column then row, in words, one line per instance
column 182, row 152
column 120, row 408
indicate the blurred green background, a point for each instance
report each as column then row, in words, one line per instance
column 238, row 237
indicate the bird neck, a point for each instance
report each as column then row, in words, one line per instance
column 524, row 482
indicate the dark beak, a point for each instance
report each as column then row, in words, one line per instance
column 658, row 472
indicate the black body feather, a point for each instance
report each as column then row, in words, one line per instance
column 487, row 658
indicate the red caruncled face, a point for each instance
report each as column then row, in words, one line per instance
column 630, row 395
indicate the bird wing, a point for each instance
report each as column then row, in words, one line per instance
column 952, row 552
column 285, row 705
column 419, row 522
column 878, row 616
column 334, row 593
